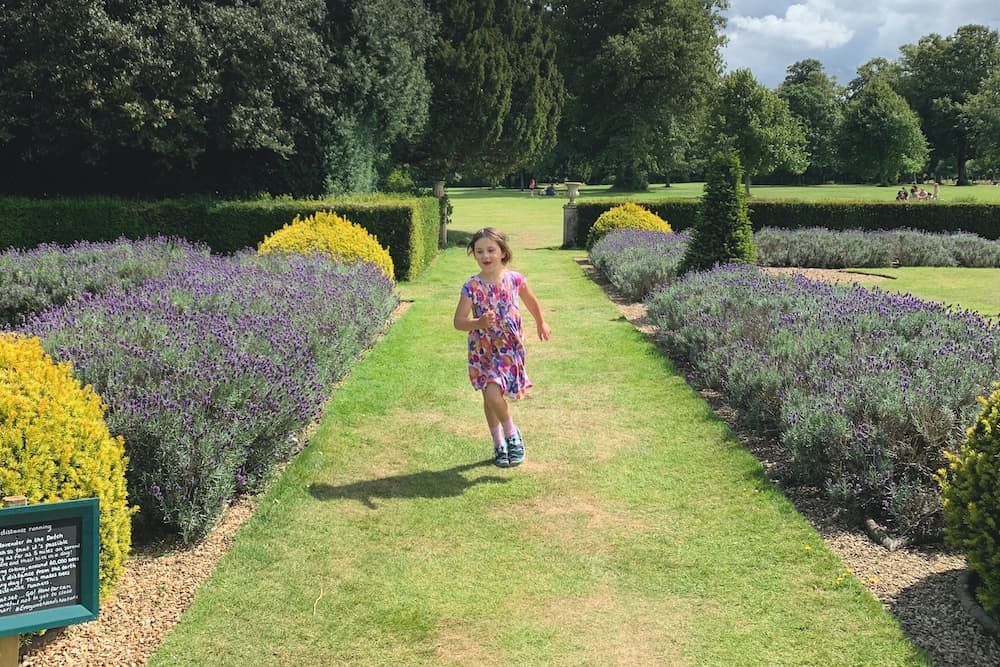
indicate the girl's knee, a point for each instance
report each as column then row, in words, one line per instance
column 493, row 397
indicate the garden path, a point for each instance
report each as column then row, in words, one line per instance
column 638, row 531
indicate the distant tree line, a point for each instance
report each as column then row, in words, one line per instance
column 308, row 97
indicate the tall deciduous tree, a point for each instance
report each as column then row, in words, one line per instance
column 758, row 125
column 635, row 70
column 983, row 114
column 880, row 136
column 498, row 94
column 817, row 101
column 939, row 76
column 876, row 68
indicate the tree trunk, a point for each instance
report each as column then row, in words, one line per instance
column 746, row 182
column 960, row 158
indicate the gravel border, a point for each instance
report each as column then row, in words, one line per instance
column 148, row 601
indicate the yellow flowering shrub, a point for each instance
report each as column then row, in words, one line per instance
column 970, row 491
column 626, row 216
column 327, row 232
column 54, row 445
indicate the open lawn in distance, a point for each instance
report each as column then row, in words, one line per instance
column 981, row 192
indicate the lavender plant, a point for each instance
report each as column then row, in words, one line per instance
column 825, row 248
column 821, row 248
column 209, row 369
column 53, row 275
column 865, row 389
column 636, row 262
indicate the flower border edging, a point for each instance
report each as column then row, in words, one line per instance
column 967, row 595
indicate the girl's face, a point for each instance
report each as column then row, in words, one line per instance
column 488, row 254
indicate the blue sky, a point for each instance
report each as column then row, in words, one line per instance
column 767, row 36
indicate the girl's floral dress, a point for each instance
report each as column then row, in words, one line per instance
column 497, row 355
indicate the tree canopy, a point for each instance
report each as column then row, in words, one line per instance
column 815, row 100
column 637, row 73
column 881, row 136
column 498, row 95
column 174, row 96
column 939, row 75
column 983, row 114
column 758, row 125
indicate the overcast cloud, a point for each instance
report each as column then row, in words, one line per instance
column 767, row 36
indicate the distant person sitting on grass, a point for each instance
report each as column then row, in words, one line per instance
column 550, row 191
column 901, row 195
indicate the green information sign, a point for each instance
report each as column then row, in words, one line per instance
column 49, row 556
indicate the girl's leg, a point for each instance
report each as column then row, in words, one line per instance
column 496, row 408
column 496, row 428
column 494, row 405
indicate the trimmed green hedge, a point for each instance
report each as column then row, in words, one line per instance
column 980, row 219
column 407, row 226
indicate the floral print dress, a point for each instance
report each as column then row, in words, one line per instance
column 497, row 355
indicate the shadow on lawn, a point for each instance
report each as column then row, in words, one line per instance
column 427, row 484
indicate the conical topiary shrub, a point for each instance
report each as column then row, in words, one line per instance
column 722, row 233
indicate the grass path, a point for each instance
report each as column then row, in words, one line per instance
column 638, row 532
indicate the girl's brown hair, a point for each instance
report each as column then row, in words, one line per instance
column 493, row 234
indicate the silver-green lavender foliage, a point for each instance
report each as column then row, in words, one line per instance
column 865, row 389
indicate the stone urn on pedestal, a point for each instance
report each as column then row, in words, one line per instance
column 569, row 214
column 573, row 190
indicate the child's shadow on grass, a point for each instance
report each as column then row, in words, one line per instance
column 426, row 484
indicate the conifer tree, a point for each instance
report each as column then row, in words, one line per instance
column 722, row 232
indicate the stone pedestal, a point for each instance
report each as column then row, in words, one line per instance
column 569, row 225
column 443, row 235
column 439, row 188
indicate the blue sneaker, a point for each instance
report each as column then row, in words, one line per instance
column 501, row 458
column 515, row 448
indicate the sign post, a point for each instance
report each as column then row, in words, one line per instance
column 48, row 568
column 10, row 646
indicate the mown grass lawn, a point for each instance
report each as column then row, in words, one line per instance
column 949, row 193
column 639, row 531
column 970, row 288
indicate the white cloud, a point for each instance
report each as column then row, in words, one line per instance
column 767, row 36
column 805, row 24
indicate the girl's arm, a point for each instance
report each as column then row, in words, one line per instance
column 531, row 301
column 464, row 321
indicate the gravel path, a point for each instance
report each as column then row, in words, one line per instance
column 917, row 584
column 147, row 602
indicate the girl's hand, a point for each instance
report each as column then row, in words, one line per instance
column 488, row 319
column 544, row 332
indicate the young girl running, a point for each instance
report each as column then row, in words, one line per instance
column 488, row 310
